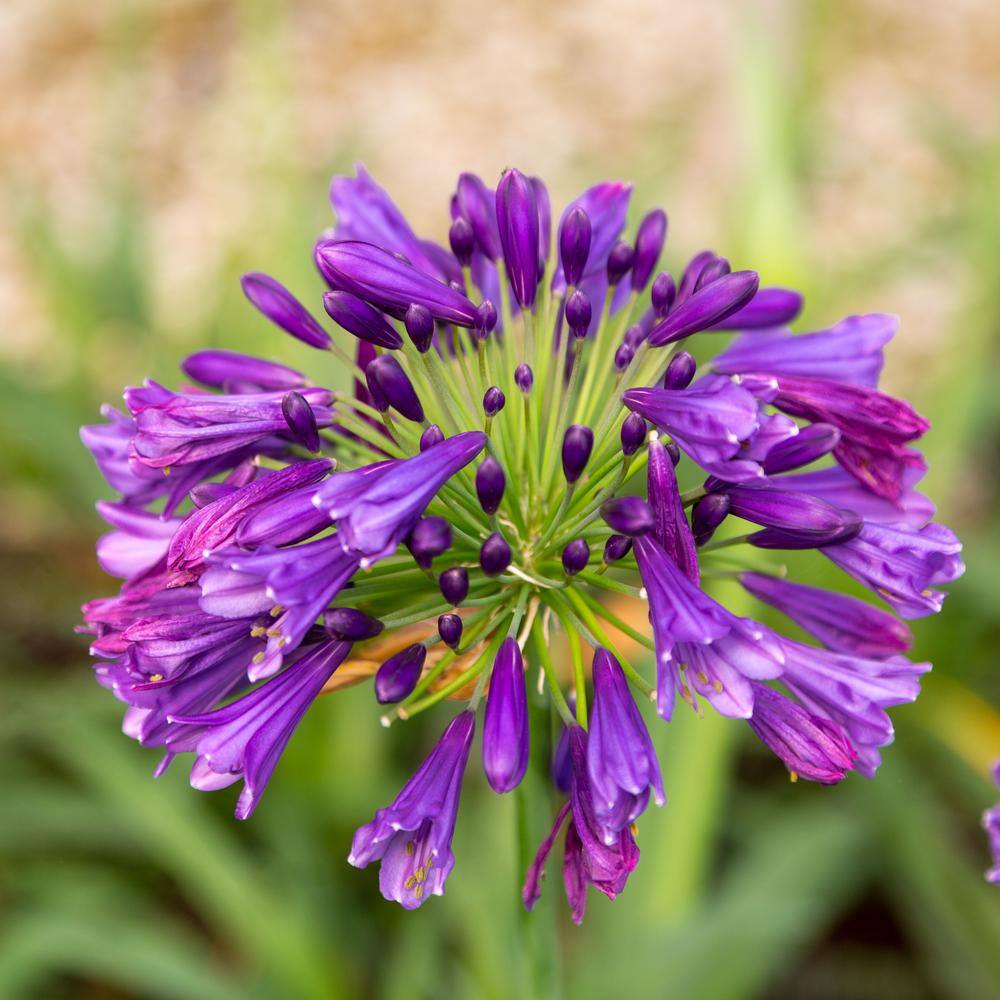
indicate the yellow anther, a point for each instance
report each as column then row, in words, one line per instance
column 258, row 658
column 274, row 632
column 702, row 677
column 410, row 848
column 166, row 470
column 156, row 678
column 257, row 631
column 419, row 891
column 793, row 777
column 410, row 883
column 420, row 874
column 719, row 687
column 276, row 610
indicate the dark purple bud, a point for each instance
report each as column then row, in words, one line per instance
column 351, row 625
column 462, row 240
column 769, row 307
column 706, row 307
column 391, row 284
column 360, row 319
column 662, row 294
column 486, row 318
column 398, row 676
column 670, row 447
column 807, row 446
column 524, row 378
column 623, row 357
column 628, row 515
column 680, row 371
column 283, row 309
column 648, row 244
column 378, row 398
column 578, row 442
column 575, row 556
column 505, row 721
column 718, row 268
column 454, row 584
column 430, row 437
column 301, row 420
column 709, row 512
column 419, row 325
column 616, row 547
column 792, row 520
column 450, row 630
column 620, row 259
column 634, row 336
column 692, row 273
column 633, row 433
column 517, row 220
column 574, row 244
column 430, row 537
column 476, row 202
column 578, row 314
column 219, row 368
column 544, row 204
column 490, row 484
column 385, row 377
column 810, row 746
column 495, row 555
column 493, row 401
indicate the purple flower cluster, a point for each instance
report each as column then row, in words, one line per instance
column 504, row 473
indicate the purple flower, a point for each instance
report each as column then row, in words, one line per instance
column 803, row 447
column 176, row 429
column 574, row 244
column 708, row 421
column 670, row 528
column 245, row 738
column 844, row 624
column 505, row 721
column 839, row 487
column 276, row 508
column 705, row 308
column 792, row 520
column 367, row 214
column 649, row 240
column 295, row 584
column 853, row 692
column 810, row 746
column 375, row 507
column 139, row 542
column 226, row 369
column 850, row 351
column 387, row 381
column 361, row 320
column 699, row 644
column 587, row 858
column 398, row 675
column 621, row 761
column 991, row 824
column 770, row 307
column 412, row 836
column 517, row 222
column 476, row 203
column 628, row 515
column 902, row 565
column 392, row 285
column 284, row 310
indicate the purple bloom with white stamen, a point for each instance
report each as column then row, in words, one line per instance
column 412, row 836
column 258, row 518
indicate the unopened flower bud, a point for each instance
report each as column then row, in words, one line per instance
column 351, row 625
column 709, row 512
column 386, row 377
column 574, row 244
column 493, row 401
column 301, row 420
column 486, row 318
column 620, row 260
column 454, row 584
column 628, row 515
column 450, row 629
column 623, row 357
column 462, row 240
column 578, row 314
column 648, row 244
column 490, row 484
column 524, row 378
column 419, row 327
column 517, row 221
column 633, row 433
column 431, row 436
column 360, row 319
column 616, row 547
column 495, row 555
column 634, row 336
column 578, row 442
column 680, row 371
column 398, row 675
column 430, row 537
column 718, row 268
column 663, row 293
column 575, row 556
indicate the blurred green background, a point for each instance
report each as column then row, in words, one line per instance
column 151, row 152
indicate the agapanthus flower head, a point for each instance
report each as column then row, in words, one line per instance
column 498, row 463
